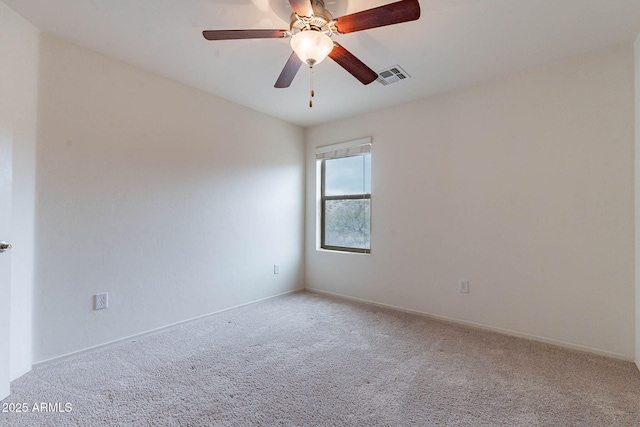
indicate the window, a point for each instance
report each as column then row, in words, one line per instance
column 345, row 196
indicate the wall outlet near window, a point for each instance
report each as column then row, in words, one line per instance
column 101, row 301
column 276, row 268
column 464, row 286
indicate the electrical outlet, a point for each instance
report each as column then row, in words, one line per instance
column 101, row 301
column 464, row 286
column 276, row 268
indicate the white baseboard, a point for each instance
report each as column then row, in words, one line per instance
column 486, row 327
column 20, row 372
column 153, row 331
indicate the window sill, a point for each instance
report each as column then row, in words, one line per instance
column 342, row 252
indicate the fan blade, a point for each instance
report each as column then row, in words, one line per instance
column 243, row 34
column 353, row 65
column 289, row 71
column 394, row 13
column 302, row 7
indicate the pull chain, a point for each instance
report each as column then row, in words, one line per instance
column 313, row 93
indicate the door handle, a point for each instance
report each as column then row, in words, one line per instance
column 4, row 246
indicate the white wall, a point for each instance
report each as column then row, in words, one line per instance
column 174, row 201
column 18, row 117
column 523, row 186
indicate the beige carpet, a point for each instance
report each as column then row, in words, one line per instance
column 309, row 360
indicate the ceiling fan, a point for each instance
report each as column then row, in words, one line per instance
column 311, row 28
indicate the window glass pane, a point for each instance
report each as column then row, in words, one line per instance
column 367, row 173
column 348, row 175
column 347, row 223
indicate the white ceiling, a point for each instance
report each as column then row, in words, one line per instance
column 454, row 44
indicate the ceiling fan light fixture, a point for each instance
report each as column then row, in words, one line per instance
column 311, row 46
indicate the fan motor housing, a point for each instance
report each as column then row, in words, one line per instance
column 320, row 21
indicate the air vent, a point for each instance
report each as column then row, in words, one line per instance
column 391, row 75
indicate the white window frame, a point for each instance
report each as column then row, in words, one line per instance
column 335, row 151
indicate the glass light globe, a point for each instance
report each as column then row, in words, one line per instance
column 312, row 47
